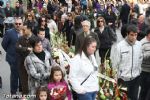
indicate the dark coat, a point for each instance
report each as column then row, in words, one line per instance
column 10, row 12
column 124, row 13
column 110, row 18
column 107, row 37
column 67, row 29
column 19, row 12
column 80, row 40
column 22, row 45
column 21, row 48
column 9, row 44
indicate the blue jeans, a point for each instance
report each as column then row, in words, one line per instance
column 87, row 96
column 14, row 77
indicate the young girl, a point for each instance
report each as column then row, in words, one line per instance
column 58, row 87
column 42, row 93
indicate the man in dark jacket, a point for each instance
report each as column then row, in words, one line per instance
column 23, row 48
column 19, row 10
column 124, row 13
column 67, row 28
column 86, row 31
column 8, row 10
column 9, row 45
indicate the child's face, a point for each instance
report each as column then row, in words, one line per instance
column 43, row 95
column 41, row 34
column 57, row 76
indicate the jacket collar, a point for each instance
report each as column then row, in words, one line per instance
column 91, row 59
column 36, row 59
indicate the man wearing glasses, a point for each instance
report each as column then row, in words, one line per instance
column 9, row 45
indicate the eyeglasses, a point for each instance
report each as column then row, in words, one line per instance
column 18, row 23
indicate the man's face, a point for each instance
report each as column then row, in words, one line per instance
column 41, row 34
column 85, row 27
column 17, row 4
column 7, row 5
column 18, row 24
column 141, row 19
column 132, row 37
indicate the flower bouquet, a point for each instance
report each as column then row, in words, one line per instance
column 109, row 90
column 58, row 93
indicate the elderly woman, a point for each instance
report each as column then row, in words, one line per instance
column 83, row 71
column 37, row 65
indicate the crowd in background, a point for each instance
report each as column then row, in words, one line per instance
column 89, row 26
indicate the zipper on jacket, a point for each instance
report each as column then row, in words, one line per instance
column 132, row 61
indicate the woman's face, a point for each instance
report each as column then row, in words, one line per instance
column 43, row 21
column 91, row 48
column 38, row 47
column 43, row 95
column 29, row 17
column 101, row 22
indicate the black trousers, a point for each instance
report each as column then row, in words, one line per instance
column 0, row 82
column 102, row 53
column 145, row 86
column 132, row 87
column 1, row 30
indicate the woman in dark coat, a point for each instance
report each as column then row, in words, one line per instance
column 106, row 37
column 110, row 18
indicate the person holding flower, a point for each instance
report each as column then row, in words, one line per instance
column 58, row 87
column 83, row 71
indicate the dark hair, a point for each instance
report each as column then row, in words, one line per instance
column 40, row 20
column 132, row 28
column 77, row 22
column 29, row 26
column 35, row 41
column 42, row 88
column 87, row 41
column 40, row 29
column 48, row 16
column 1, row 3
column 148, row 31
column 53, row 70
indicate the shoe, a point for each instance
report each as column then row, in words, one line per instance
column 0, row 82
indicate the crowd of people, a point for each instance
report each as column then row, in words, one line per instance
column 89, row 26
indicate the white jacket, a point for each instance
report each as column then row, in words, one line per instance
column 80, row 68
column 128, row 59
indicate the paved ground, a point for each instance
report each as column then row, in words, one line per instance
column 5, row 72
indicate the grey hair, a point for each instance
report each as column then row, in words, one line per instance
column 86, row 22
